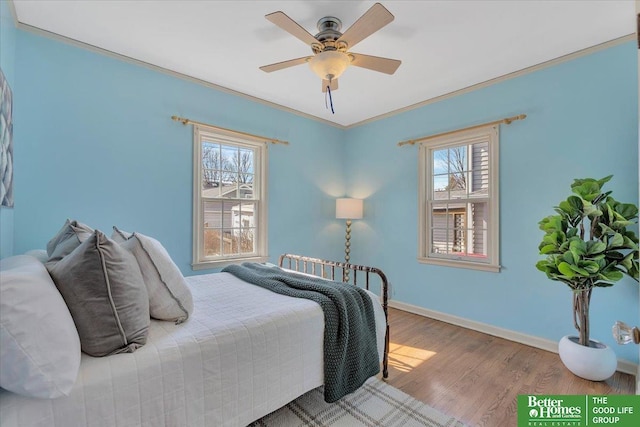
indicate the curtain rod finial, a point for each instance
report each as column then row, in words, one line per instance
column 512, row 119
column 180, row 119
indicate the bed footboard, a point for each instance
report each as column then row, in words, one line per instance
column 327, row 269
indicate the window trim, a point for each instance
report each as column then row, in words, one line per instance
column 491, row 133
column 199, row 262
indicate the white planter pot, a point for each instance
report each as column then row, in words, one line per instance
column 596, row 362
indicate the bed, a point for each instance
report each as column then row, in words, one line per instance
column 244, row 353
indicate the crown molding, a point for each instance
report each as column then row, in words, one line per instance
column 166, row 71
column 519, row 73
column 524, row 71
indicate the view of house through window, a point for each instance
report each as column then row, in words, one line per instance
column 231, row 198
column 227, row 191
column 459, row 196
column 460, row 190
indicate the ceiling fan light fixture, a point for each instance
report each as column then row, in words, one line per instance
column 329, row 65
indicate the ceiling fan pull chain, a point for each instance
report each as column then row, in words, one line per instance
column 326, row 104
column 330, row 99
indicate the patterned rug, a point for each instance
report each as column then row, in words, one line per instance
column 374, row 404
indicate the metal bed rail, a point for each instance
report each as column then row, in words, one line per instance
column 327, row 270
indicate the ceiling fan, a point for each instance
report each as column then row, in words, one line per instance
column 331, row 55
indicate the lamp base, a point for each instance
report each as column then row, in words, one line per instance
column 347, row 251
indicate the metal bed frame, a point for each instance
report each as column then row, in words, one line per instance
column 327, row 270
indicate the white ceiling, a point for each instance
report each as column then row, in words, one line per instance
column 444, row 45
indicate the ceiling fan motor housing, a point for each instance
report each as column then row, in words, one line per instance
column 329, row 32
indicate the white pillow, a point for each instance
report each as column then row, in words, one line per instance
column 169, row 295
column 40, row 254
column 39, row 344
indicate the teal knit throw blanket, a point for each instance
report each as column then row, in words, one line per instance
column 350, row 349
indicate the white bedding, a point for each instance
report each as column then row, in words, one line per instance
column 245, row 352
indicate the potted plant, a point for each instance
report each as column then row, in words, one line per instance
column 589, row 244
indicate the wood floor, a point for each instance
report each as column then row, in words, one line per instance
column 477, row 377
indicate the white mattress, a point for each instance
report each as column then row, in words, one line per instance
column 245, row 352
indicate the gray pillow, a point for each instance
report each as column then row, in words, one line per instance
column 169, row 295
column 67, row 239
column 103, row 288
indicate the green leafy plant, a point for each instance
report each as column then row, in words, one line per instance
column 589, row 244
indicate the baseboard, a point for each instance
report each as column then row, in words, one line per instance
column 542, row 343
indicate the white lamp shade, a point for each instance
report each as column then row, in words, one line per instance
column 329, row 64
column 349, row 208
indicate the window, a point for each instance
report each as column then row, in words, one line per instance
column 459, row 208
column 230, row 204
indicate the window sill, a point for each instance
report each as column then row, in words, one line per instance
column 207, row 265
column 460, row 264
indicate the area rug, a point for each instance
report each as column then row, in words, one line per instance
column 374, row 404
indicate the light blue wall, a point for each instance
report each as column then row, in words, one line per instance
column 97, row 144
column 7, row 61
column 582, row 122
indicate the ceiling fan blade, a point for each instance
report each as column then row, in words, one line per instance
column 333, row 85
column 375, row 63
column 372, row 20
column 292, row 27
column 284, row 64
